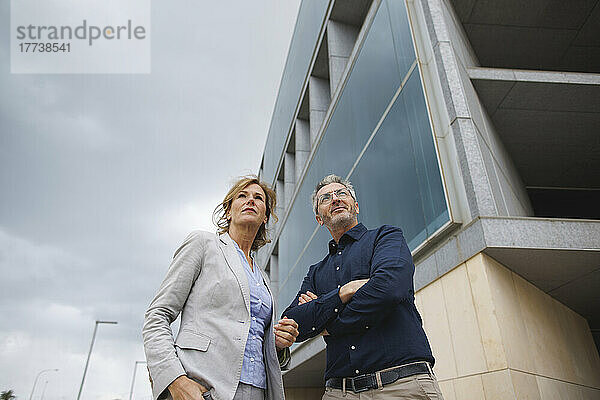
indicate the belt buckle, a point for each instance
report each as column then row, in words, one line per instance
column 356, row 378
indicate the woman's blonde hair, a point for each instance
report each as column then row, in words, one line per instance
column 221, row 211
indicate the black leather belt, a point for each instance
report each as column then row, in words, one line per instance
column 365, row 382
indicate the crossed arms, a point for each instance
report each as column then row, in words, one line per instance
column 359, row 304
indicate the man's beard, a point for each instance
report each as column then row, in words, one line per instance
column 341, row 220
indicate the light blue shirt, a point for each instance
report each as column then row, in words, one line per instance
column 253, row 367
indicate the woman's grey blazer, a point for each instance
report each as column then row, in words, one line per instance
column 207, row 283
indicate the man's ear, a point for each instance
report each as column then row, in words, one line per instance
column 319, row 219
column 356, row 205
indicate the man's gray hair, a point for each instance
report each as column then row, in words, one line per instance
column 326, row 181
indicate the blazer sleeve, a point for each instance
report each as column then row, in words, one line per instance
column 163, row 364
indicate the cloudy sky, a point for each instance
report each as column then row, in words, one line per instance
column 102, row 176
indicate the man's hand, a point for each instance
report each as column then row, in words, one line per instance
column 286, row 332
column 348, row 290
column 183, row 388
column 306, row 297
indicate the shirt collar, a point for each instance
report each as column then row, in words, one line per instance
column 354, row 234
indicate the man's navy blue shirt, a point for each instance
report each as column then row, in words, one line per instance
column 380, row 326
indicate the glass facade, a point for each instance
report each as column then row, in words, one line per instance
column 380, row 135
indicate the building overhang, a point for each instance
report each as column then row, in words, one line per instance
column 548, row 123
column 559, row 256
column 551, row 35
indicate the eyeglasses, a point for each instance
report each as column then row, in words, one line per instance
column 326, row 198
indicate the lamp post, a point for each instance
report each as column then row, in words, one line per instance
column 87, row 362
column 133, row 378
column 37, row 377
column 44, row 390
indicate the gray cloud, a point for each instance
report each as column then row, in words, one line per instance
column 102, row 177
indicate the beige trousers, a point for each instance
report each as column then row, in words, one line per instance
column 421, row 386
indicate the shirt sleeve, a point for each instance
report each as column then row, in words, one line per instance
column 312, row 317
column 390, row 283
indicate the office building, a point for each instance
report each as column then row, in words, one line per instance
column 473, row 125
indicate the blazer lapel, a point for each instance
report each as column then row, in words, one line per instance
column 233, row 261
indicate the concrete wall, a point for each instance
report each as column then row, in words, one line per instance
column 470, row 147
column 508, row 191
column 496, row 336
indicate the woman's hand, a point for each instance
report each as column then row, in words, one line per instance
column 286, row 332
column 183, row 388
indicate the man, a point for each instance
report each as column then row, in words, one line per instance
column 360, row 297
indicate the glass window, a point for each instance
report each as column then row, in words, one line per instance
column 435, row 208
column 397, row 179
column 386, row 181
column 371, row 85
column 403, row 44
column 373, row 82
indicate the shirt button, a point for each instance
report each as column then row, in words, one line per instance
column 253, row 337
column 339, row 252
column 253, row 318
column 259, row 301
column 252, row 359
column 338, row 286
column 313, row 328
column 367, row 327
column 335, row 309
column 337, row 268
column 257, row 284
column 357, row 371
column 353, row 347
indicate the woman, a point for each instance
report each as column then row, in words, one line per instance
column 228, row 343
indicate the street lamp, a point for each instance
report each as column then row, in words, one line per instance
column 37, row 377
column 90, row 353
column 133, row 378
column 44, row 390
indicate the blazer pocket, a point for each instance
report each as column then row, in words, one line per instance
column 192, row 340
